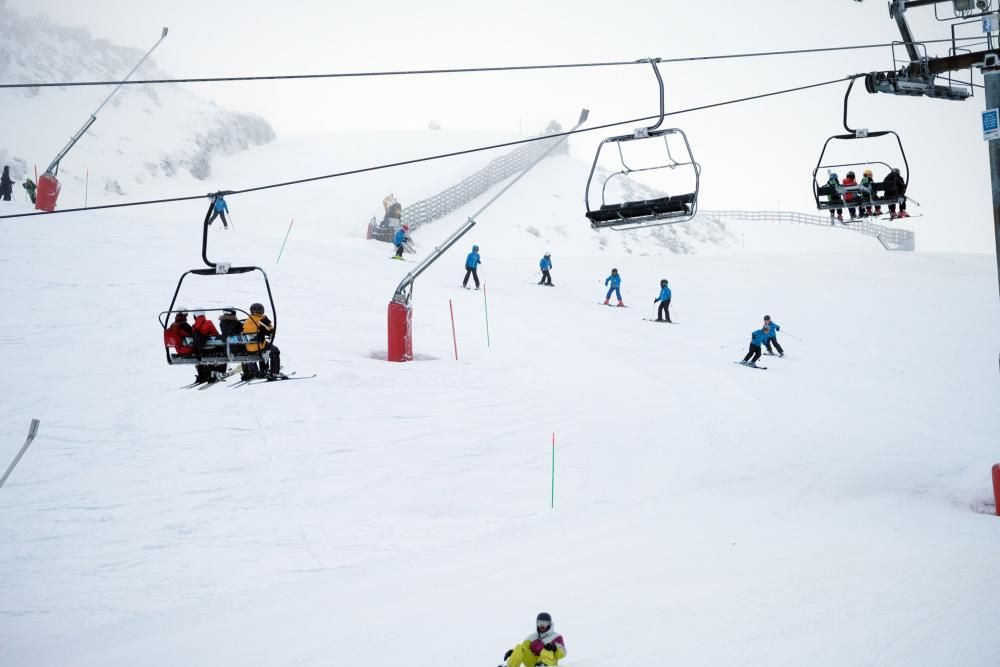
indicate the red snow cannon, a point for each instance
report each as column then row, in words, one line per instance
column 47, row 193
column 400, row 332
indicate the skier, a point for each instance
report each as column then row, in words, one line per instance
column 177, row 332
column 835, row 198
column 29, row 185
column 663, row 313
column 850, row 197
column 6, row 185
column 204, row 328
column 757, row 338
column 616, row 282
column 546, row 265
column 258, row 326
column 229, row 323
column 472, row 263
column 219, row 209
column 868, row 181
column 401, row 239
column 772, row 336
column 895, row 187
column 545, row 646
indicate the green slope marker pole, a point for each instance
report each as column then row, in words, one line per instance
column 486, row 311
column 552, row 502
column 286, row 240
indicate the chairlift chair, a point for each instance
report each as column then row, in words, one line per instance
column 672, row 208
column 217, row 349
column 860, row 195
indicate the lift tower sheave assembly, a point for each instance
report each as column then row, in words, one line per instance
column 48, row 182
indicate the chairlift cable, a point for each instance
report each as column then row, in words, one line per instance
column 467, row 151
column 469, row 70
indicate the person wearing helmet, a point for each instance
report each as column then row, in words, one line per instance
column 895, row 188
column 401, row 239
column 472, row 263
column 219, row 209
column 851, row 196
column 615, row 282
column 546, row 265
column 260, row 329
column 870, row 192
column 772, row 336
column 203, row 329
column 178, row 334
column 544, row 646
column 757, row 339
column 663, row 312
column 833, row 183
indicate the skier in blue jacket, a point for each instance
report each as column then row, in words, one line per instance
column 757, row 338
column 616, row 282
column 472, row 263
column 546, row 265
column 663, row 313
column 772, row 338
column 219, row 209
column 401, row 239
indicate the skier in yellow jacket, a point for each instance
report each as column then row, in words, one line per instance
column 545, row 646
column 257, row 325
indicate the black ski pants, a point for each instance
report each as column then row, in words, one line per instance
column 663, row 312
column 754, row 352
column 399, row 251
column 546, row 277
column 777, row 345
column 470, row 271
column 218, row 214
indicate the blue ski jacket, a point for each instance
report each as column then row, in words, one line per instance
column 758, row 337
column 614, row 279
column 400, row 237
column 775, row 328
column 220, row 205
column 472, row 261
column 545, row 264
column 664, row 294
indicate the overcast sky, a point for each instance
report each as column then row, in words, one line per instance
column 776, row 141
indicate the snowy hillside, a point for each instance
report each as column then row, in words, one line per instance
column 831, row 510
column 145, row 133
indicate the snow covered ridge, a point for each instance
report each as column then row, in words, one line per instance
column 145, row 132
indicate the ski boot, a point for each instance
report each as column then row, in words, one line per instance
column 621, row 304
column 904, row 214
column 607, row 302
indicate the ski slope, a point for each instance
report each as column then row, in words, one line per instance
column 833, row 510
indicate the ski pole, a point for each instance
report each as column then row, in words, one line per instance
column 231, row 222
column 792, row 335
column 731, row 344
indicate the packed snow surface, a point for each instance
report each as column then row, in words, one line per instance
column 832, row 510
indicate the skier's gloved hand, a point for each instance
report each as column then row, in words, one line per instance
column 537, row 646
column 655, row 300
column 507, row 655
column 551, row 646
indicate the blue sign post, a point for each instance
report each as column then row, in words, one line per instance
column 991, row 124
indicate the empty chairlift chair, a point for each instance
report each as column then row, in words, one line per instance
column 611, row 196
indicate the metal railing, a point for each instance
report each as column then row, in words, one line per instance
column 891, row 238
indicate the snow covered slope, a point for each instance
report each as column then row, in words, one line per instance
column 144, row 133
column 827, row 511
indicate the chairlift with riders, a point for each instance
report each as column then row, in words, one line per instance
column 222, row 349
column 880, row 193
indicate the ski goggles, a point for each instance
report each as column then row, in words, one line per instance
column 544, row 625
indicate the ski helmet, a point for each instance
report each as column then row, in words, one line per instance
column 850, row 174
column 833, row 176
column 256, row 309
column 895, row 170
column 767, row 318
column 543, row 621
column 475, row 248
column 548, row 254
column 199, row 313
column 867, row 172
column 614, row 270
column 663, row 282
